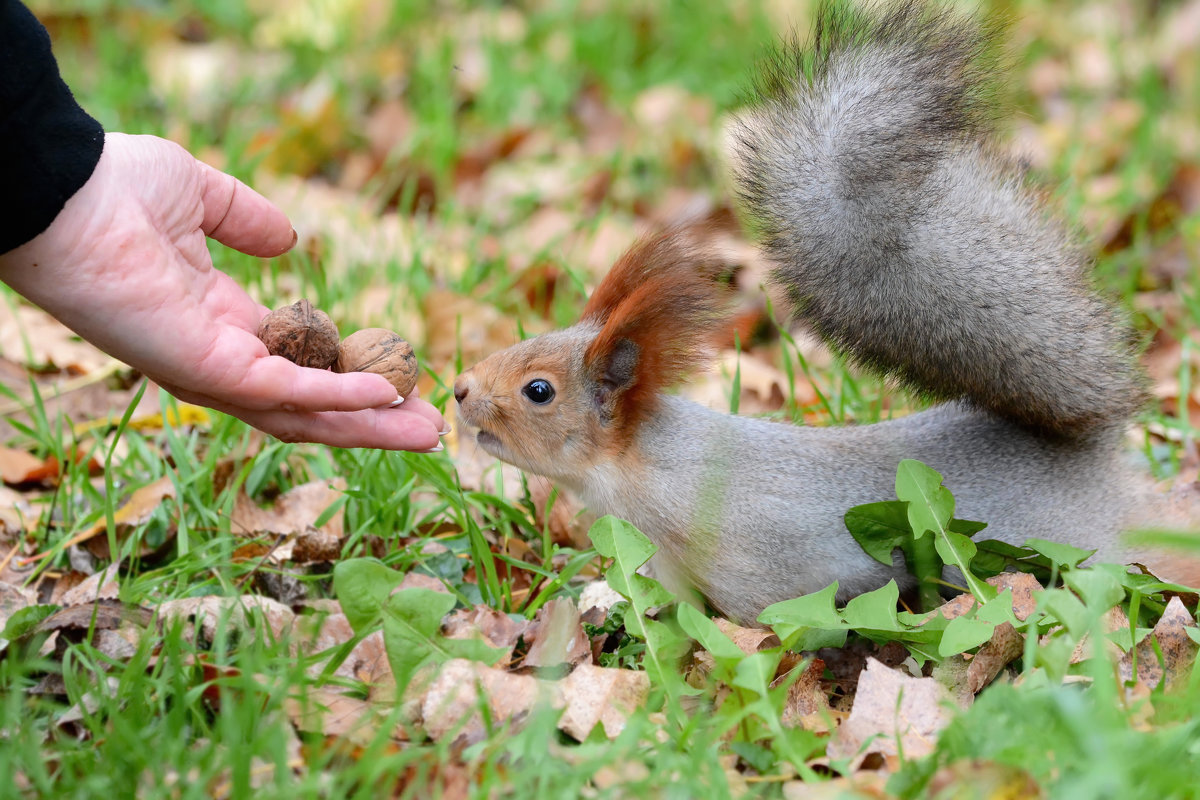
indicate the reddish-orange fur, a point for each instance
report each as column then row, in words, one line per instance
column 665, row 297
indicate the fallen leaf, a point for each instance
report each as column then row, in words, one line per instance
column 1005, row 645
column 136, row 511
column 17, row 465
column 1114, row 619
column 891, row 712
column 568, row 521
column 101, row 586
column 294, row 511
column 601, row 696
column 859, row 786
column 12, row 600
column 332, row 713
column 496, row 628
column 181, row 415
column 477, row 160
column 974, row 778
column 460, row 327
column 29, row 332
column 556, row 636
column 1023, row 586
column 806, row 704
column 207, row 611
column 101, row 615
column 120, row 643
column 450, row 706
column 1177, row 648
column 419, row 580
column 17, row 516
column 315, row 545
column 748, row 640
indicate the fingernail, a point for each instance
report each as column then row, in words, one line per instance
column 437, row 449
column 445, row 430
column 395, row 402
column 295, row 238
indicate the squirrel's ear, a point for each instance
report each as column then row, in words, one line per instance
column 660, row 310
column 615, row 373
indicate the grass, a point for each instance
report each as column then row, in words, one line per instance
column 184, row 716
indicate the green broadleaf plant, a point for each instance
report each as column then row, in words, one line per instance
column 629, row 549
column 412, row 618
column 923, row 505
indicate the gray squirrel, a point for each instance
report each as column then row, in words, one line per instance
column 909, row 243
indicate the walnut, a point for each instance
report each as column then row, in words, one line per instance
column 302, row 334
column 380, row 351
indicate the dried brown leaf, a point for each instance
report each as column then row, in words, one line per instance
column 894, row 711
column 568, row 521
column 1023, row 586
column 136, row 511
column 313, row 545
column 208, row 610
column 1177, row 648
column 327, row 711
column 101, row 615
column 749, row 640
column 450, row 705
column 972, row 778
column 293, row 512
column 868, row 785
column 101, row 586
column 556, row 636
column 419, row 580
column 12, row 600
column 599, row 595
column 496, row 628
column 1005, row 645
column 17, row 516
column 601, row 696
column 806, row 704
column 120, row 643
column 16, row 466
column 49, row 342
column 458, row 324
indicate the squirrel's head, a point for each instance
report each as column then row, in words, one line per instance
column 562, row 402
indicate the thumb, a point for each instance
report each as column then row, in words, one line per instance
column 238, row 216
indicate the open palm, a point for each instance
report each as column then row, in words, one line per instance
column 126, row 266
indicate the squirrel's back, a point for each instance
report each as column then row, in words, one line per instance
column 907, row 242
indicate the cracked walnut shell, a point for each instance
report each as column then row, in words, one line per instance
column 380, row 351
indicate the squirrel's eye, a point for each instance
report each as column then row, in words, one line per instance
column 539, row 391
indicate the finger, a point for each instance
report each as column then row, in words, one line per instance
column 238, row 216
column 272, row 383
column 276, row 383
column 378, row 428
column 413, row 404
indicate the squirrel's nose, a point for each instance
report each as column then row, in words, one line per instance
column 461, row 387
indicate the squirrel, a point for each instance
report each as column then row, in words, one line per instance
column 909, row 243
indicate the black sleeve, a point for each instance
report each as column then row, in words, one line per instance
column 48, row 145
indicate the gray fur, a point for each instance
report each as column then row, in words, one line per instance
column 750, row 512
column 907, row 242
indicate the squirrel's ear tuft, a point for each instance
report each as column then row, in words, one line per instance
column 660, row 309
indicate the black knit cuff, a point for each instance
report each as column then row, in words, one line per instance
column 49, row 146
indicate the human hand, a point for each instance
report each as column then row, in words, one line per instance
column 125, row 265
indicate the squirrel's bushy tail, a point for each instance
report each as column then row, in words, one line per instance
column 907, row 242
